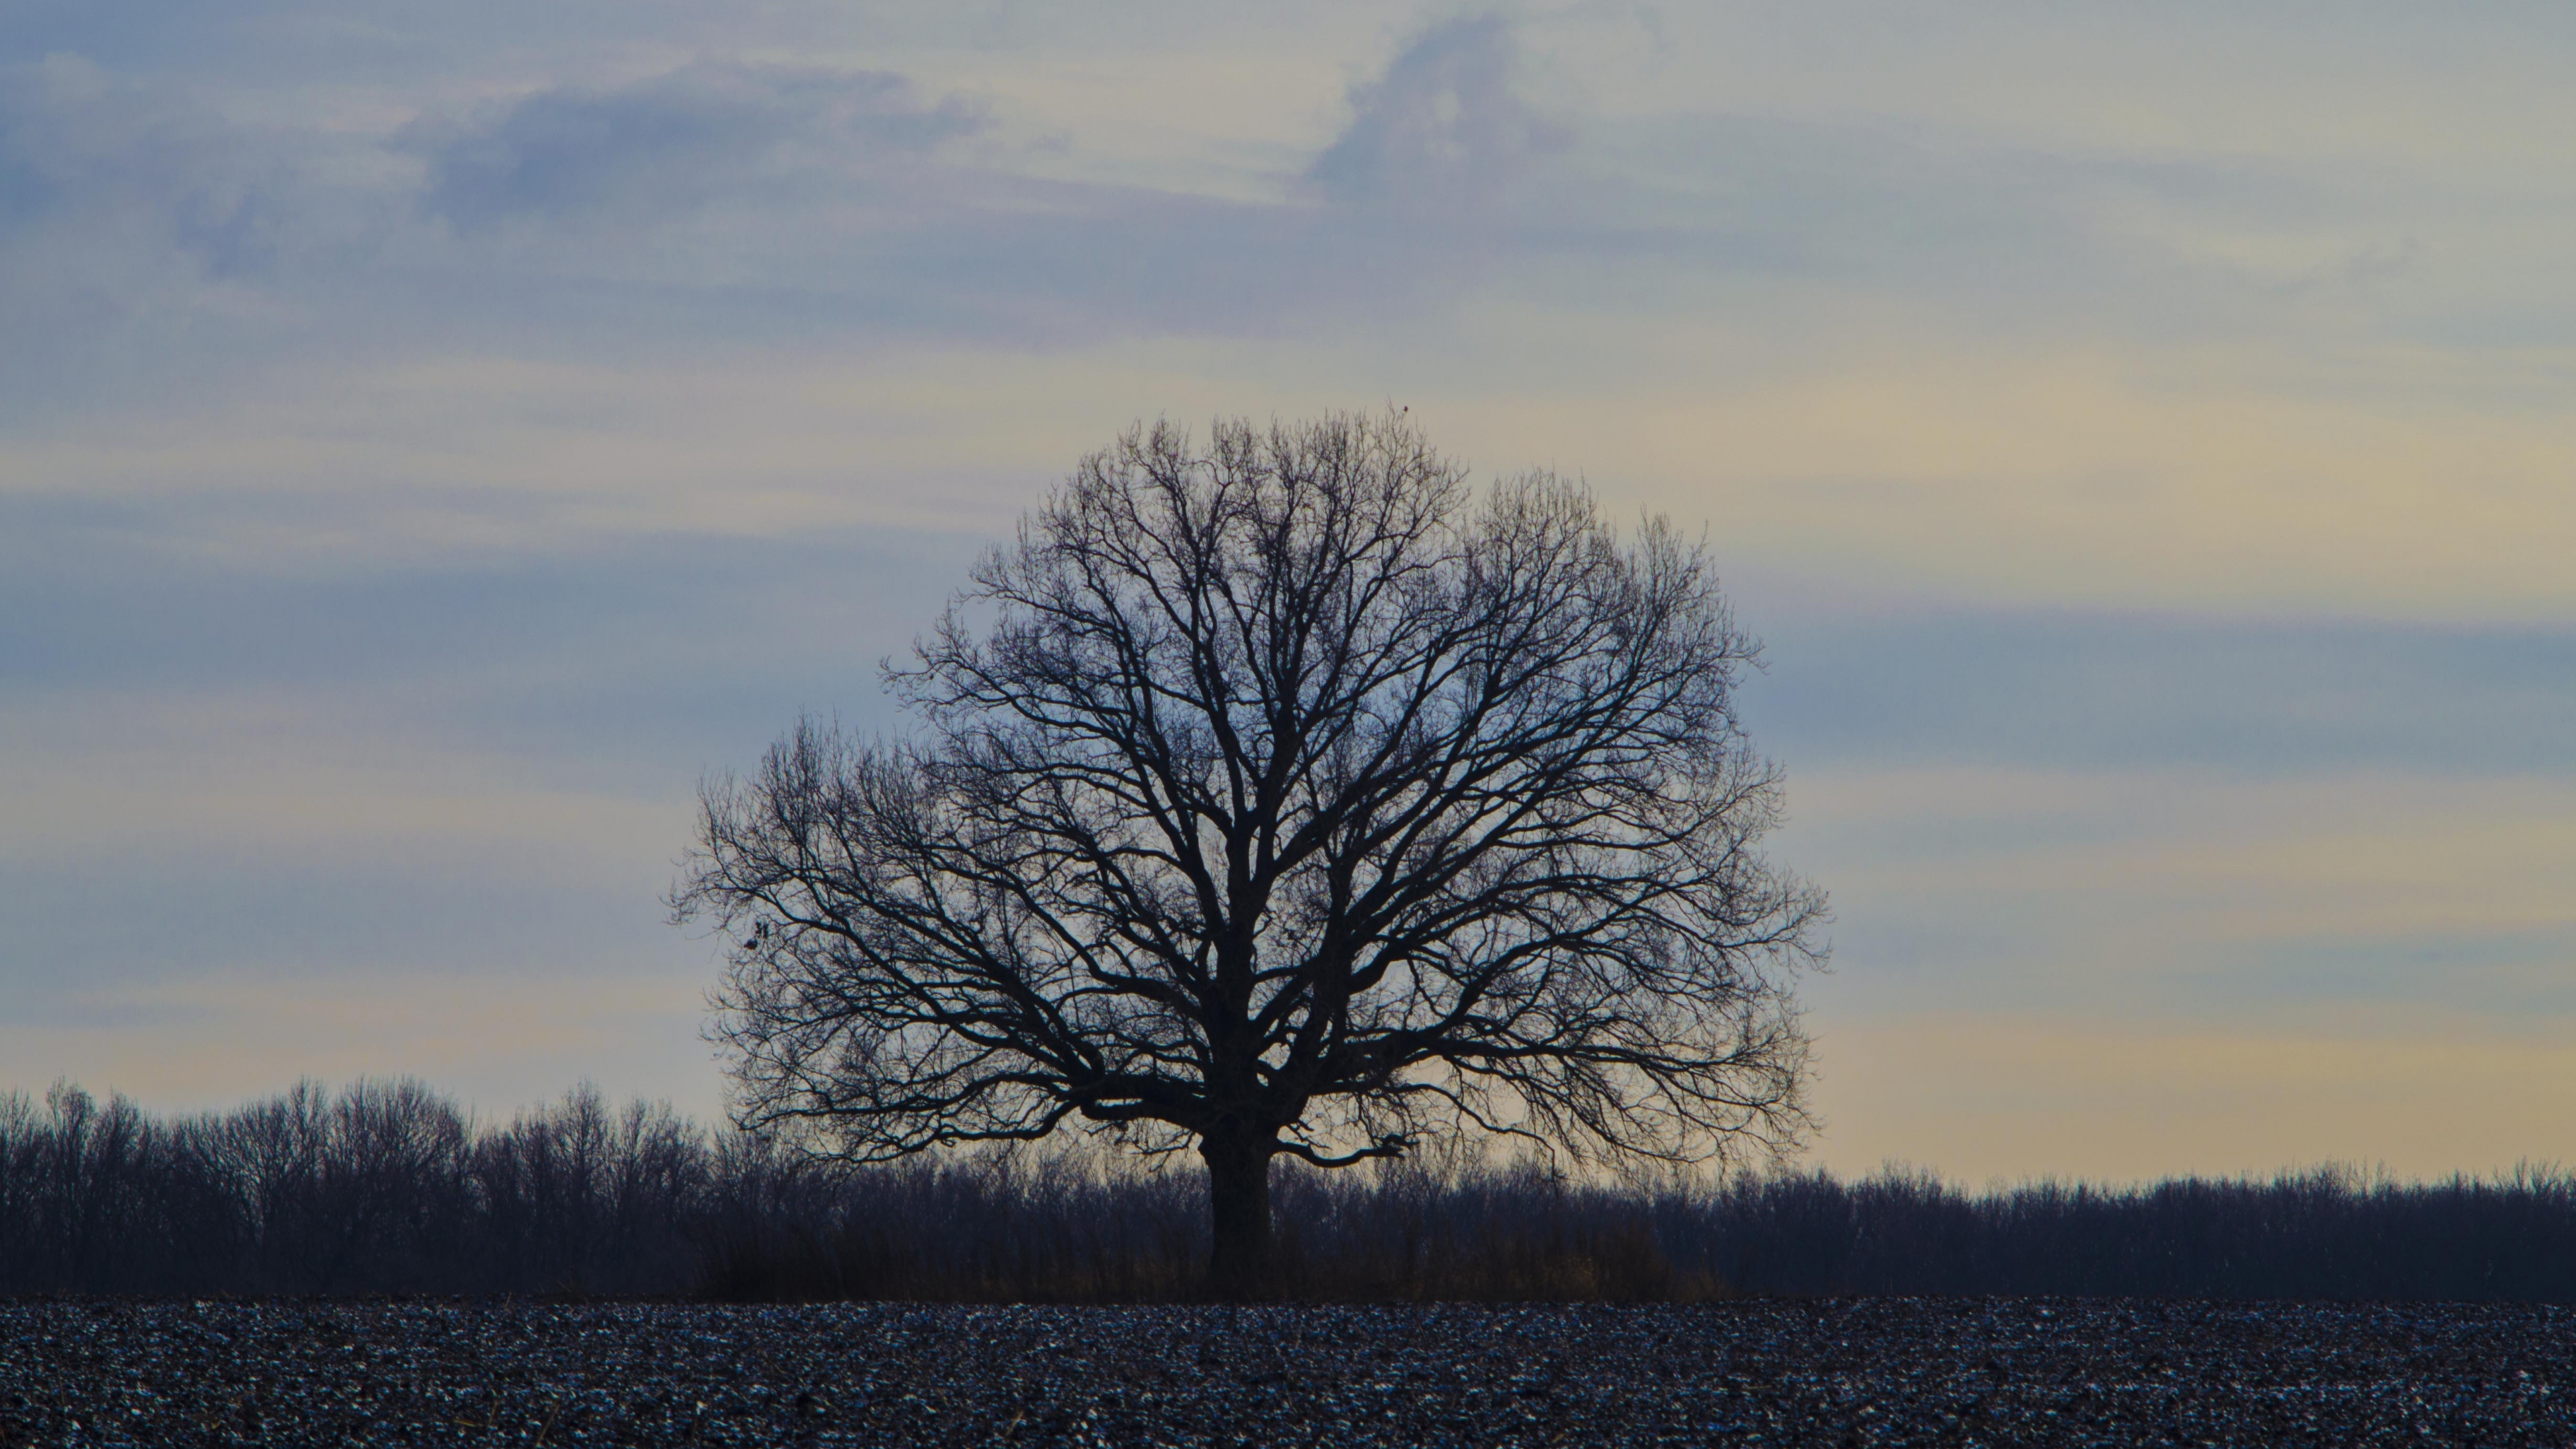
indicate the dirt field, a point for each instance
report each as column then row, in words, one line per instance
column 1881, row 1371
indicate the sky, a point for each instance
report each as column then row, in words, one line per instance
column 434, row 437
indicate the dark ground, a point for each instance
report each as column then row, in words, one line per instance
column 1872, row 1371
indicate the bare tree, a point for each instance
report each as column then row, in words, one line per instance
column 1280, row 795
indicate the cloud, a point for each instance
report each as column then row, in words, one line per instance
column 674, row 142
column 113, row 196
column 731, row 202
column 718, row 203
column 148, row 239
column 1443, row 128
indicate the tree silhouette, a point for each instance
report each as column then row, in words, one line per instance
column 1279, row 795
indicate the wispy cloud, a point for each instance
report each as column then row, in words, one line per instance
column 127, row 215
column 82, row 149
column 671, row 143
column 1443, row 130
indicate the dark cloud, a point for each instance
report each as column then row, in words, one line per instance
column 89, row 154
column 1444, row 127
column 131, row 216
column 674, row 142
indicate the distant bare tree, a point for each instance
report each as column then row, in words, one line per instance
column 1281, row 795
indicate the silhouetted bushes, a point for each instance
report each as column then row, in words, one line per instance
column 385, row 1187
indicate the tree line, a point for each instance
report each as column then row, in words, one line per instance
column 390, row 1188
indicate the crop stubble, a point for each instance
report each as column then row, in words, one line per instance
column 1867, row 1371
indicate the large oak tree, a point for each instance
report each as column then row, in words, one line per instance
column 1280, row 793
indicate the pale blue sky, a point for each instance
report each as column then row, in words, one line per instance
column 431, row 436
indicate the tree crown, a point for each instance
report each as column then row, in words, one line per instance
column 1281, row 789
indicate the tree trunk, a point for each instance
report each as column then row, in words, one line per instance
column 1238, row 1170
